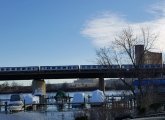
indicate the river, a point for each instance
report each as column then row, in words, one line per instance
column 108, row 93
column 51, row 112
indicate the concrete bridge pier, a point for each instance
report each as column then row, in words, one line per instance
column 101, row 84
column 38, row 87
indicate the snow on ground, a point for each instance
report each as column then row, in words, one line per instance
column 38, row 116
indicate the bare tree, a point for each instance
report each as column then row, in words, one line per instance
column 122, row 51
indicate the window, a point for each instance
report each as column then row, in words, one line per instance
column 146, row 66
column 64, row 68
column 23, row 69
column 42, row 68
column 53, row 68
column 13, row 69
column 83, row 67
column 18, row 69
column 29, row 68
column 88, row 67
column 104, row 67
column 99, row 67
column 7, row 69
column 2, row 69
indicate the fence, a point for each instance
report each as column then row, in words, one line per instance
column 111, row 102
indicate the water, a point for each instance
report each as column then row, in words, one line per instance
column 51, row 112
column 38, row 116
column 113, row 92
column 71, row 94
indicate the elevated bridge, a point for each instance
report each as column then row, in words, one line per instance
column 114, row 73
column 88, row 73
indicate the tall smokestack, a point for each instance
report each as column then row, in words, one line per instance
column 139, row 54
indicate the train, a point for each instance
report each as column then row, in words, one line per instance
column 79, row 67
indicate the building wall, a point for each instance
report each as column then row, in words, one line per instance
column 86, row 81
column 153, row 58
column 90, row 82
column 146, row 57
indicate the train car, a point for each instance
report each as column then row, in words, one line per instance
column 115, row 66
column 93, row 67
column 150, row 66
column 60, row 68
column 99, row 67
column 163, row 66
column 127, row 66
column 19, row 69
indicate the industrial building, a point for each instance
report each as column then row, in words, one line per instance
column 143, row 56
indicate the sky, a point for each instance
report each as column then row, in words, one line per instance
column 68, row 32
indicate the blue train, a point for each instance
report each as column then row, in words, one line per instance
column 79, row 67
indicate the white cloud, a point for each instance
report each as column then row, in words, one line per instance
column 158, row 9
column 102, row 29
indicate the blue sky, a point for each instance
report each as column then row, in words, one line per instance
column 67, row 32
column 51, row 32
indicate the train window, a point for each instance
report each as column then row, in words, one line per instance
column 23, row 69
column 94, row 66
column 99, row 67
column 13, row 69
column 83, row 67
column 124, row 67
column 36, row 68
column 7, row 69
column 63, row 67
column 146, row 66
column 104, row 67
column 69, row 67
column 2, row 69
column 18, row 69
column 33, row 68
column 53, row 67
column 42, row 68
column 151, row 66
column 58, row 67
column 29, row 68
column 140, row 66
column 113, row 67
column 88, row 67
